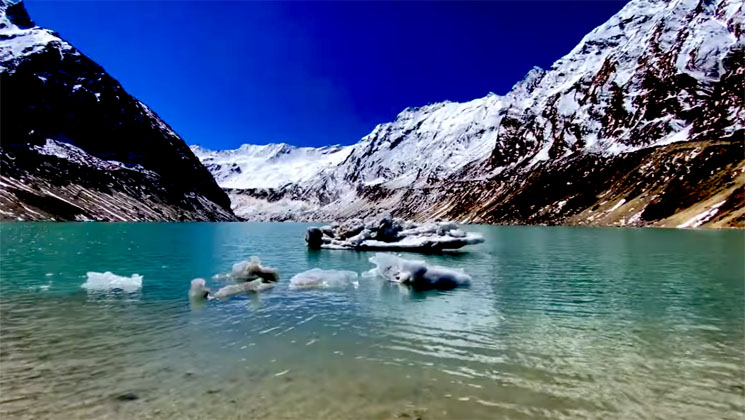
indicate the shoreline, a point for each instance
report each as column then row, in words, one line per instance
column 698, row 228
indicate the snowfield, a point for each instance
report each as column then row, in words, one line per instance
column 269, row 166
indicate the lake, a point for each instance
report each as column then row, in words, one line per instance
column 558, row 322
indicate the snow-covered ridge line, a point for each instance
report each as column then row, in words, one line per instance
column 87, row 149
column 21, row 37
column 269, row 166
column 269, row 149
column 641, row 80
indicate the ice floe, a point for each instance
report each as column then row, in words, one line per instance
column 198, row 289
column 236, row 289
column 418, row 273
column 317, row 278
column 110, row 281
column 252, row 269
column 245, row 276
column 388, row 233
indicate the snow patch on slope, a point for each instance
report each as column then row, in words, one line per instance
column 75, row 154
column 268, row 166
column 20, row 41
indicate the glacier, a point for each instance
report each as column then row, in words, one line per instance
column 268, row 166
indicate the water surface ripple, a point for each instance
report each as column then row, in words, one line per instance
column 558, row 323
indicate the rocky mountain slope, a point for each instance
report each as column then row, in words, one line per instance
column 641, row 124
column 75, row 146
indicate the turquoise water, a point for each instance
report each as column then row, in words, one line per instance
column 558, row 323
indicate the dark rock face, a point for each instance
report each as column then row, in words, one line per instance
column 666, row 186
column 314, row 238
column 53, row 96
column 19, row 16
column 37, row 186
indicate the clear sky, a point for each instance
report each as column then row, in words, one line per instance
column 313, row 73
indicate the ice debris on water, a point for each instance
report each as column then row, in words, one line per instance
column 252, row 269
column 389, row 233
column 198, row 289
column 317, row 278
column 111, row 281
column 418, row 273
column 235, row 289
column 247, row 276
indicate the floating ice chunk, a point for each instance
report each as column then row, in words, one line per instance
column 248, row 276
column 252, row 269
column 388, row 233
column 111, row 281
column 386, row 266
column 223, row 277
column 417, row 273
column 236, row 289
column 198, row 289
column 317, row 278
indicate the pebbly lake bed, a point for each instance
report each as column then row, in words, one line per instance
column 558, row 322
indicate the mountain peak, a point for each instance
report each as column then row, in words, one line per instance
column 15, row 14
column 60, row 105
column 631, row 111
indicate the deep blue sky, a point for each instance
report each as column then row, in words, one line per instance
column 226, row 73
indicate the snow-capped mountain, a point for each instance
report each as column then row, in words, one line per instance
column 640, row 124
column 268, row 166
column 76, row 146
column 639, row 80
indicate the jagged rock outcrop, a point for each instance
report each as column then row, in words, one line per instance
column 74, row 145
column 641, row 124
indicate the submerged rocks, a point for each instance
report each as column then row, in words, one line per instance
column 389, row 233
column 128, row 396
